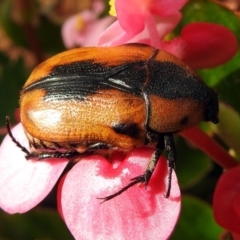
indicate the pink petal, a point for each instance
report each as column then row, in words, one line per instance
column 92, row 27
column 135, row 214
column 144, row 27
column 69, row 32
column 88, row 36
column 203, row 45
column 175, row 47
column 152, row 30
column 114, row 35
column 226, row 200
column 156, row 29
column 135, row 12
column 166, row 24
column 166, row 7
column 131, row 12
column 92, row 32
column 98, row 6
column 23, row 184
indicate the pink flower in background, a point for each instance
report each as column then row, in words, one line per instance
column 226, row 200
column 83, row 29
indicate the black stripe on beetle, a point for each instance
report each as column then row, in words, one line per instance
column 69, row 81
column 80, row 79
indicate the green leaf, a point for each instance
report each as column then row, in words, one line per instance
column 196, row 221
column 229, row 127
column 192, row 164
column 40, row 223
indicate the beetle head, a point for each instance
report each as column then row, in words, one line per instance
column 212, row 108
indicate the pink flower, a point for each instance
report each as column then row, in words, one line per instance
column 83, row 29
column 142, row 19
column 226, row 201
column 201, row 45
column 137, row 213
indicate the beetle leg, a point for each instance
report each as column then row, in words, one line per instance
column 170, row 149
column 13, row 138
column 147, row 174
column 165, row 143
column 56, row 154
column 68, row 155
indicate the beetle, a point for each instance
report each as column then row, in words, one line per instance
column 101, row 98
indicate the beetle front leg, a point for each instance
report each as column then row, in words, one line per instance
column 165, row 143
column 152, row 163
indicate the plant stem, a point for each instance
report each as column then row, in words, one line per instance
column 209, row 146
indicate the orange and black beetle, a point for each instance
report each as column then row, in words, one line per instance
column 89, row 99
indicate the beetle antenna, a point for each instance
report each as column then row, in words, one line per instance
column 13, row 138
